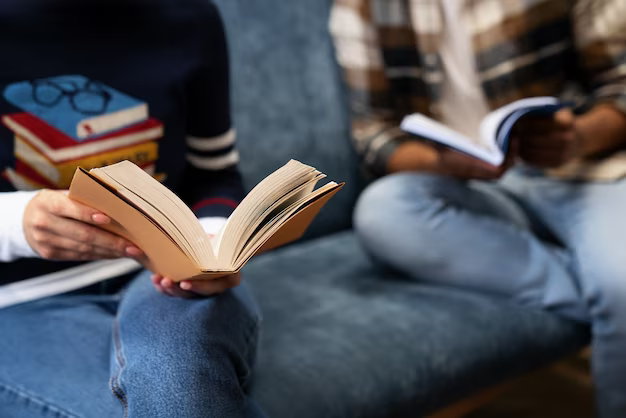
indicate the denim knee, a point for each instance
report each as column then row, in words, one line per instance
column 394, row 203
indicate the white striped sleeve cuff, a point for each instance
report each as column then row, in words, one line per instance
column 213, row 153
column 214, row 163
column 215, row 143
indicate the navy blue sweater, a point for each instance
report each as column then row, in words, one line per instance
column 156, row 70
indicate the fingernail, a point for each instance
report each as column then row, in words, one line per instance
column 133, row 252
column 100, row 218
column 185, row 285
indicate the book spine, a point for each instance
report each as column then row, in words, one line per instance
column 60, row 173
column 78, row 150
column 21, row 181
column 112, row 121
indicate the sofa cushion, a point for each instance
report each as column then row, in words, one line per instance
column 287, row 97
column 342, row 339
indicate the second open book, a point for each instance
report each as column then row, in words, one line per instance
column 278, row 210
column 495, row 129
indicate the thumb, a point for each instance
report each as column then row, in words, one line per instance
column 564, row 118
column 512, row 152
column 59, row 204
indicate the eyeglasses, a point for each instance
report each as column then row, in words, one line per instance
column 90, row 99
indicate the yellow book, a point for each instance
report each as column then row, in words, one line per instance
column 60, row 173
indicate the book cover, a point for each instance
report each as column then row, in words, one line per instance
column 77, row 106
column 57, row 147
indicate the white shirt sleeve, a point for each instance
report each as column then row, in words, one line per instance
column 13, row 244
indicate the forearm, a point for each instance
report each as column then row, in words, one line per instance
column 413, row 156
column 601, row 130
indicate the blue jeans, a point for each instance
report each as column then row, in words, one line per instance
column 544, row 243
column 128, row 353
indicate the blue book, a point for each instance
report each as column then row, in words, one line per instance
column 495, row 129
column 77, row 106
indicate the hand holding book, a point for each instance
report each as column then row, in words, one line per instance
column 548, row 142
column 195, row 288
column 497, row 129
column 463, row 166
column 58, row 228
column 277, row 211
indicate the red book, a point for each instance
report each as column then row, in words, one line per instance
column 58, row 147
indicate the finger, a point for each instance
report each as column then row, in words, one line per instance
column 173, row 289
column 538, row 149
column 61, row 205
column 49, row 239
column 562, row 143
column 61, row 254
column 87, row 234
column 552, row 139
column 543, row 159
column 463, row 166
column 541, row 154
column 205, row 287
column 213, row 286
column 471, row 173
column 564, row 119
column 159, row 288
column 480, row 171
column 530, row 125
column 545, row 124
column 513, row 147
column 459, row 159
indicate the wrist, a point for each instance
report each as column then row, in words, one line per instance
column 600, row 130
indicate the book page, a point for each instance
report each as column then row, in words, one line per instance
column 262, row 196
column 163, row 206
column 267, row 229
column 149, row 210
column 425, row 127
column 168, row 204
column 292, row 196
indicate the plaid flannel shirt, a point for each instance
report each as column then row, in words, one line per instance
column 388, row 50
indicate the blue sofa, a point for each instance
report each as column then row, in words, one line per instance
column 341, row 338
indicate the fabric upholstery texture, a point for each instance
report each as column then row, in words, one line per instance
column 340, row 337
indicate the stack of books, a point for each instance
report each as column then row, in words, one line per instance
column 68, row 122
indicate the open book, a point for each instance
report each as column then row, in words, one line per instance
column 495, row 129
column 278, row 210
